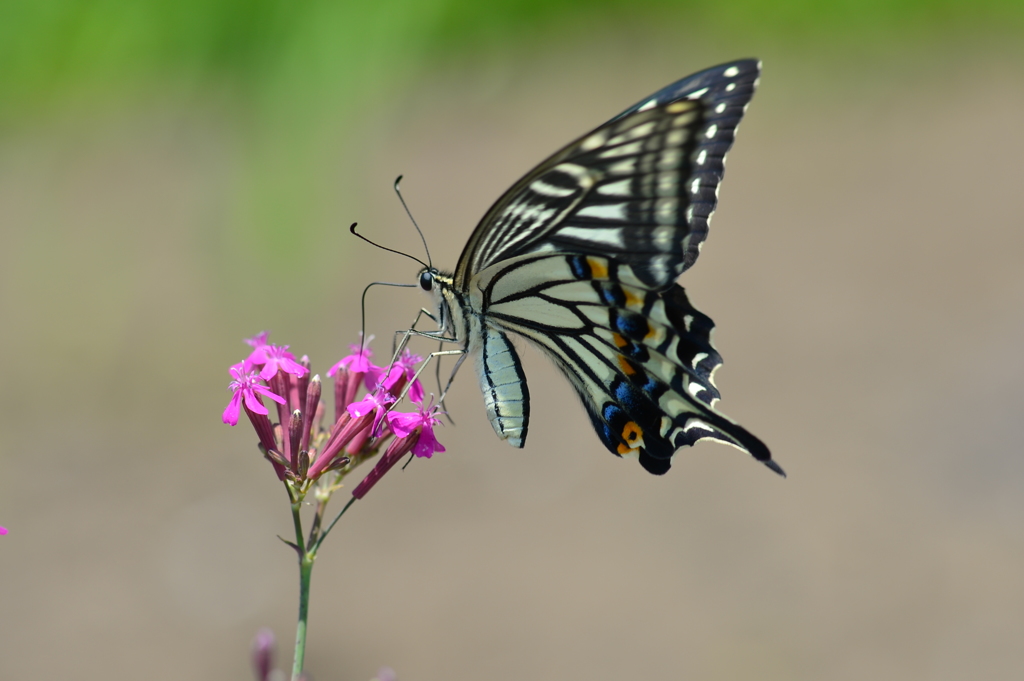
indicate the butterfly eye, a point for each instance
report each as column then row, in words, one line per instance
column 426, row 280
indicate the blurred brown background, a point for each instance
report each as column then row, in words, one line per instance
column 164, row 196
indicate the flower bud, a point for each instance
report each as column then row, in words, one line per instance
column 341, row 380
column 294, row 437
column 340, row 462
column 263, row 654
column 311, row 410
column 281, row 467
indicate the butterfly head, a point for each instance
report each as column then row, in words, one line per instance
column 427, row 275
column 441, row 288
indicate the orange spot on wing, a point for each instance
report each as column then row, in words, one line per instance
column 633, row 436
column 626, row 366
column 598, row 268
column 619, row 341
column 632, row 299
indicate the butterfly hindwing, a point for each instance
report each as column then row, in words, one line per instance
column 642, row 361
column 640, row 188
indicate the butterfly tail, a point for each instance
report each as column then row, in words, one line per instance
column 662, row 394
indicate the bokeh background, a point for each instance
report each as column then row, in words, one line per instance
column 176, row 176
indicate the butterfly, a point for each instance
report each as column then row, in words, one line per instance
column 581, row 257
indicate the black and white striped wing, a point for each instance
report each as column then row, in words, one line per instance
column 640, row 359
column 640, row 189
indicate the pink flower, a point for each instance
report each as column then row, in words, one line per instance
column 418, row 425
column 377, row 402
column 257, row 342
column 401, row 372
column 275, row 357
column 300, row 446
column 415, row 433
column 359, row 364
column 3, row 530
column 247, row 387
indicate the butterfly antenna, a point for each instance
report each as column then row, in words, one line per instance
column 408, row 212
column 352, row 229
column 362, row 302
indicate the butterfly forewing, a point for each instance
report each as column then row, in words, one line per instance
column 640, row 188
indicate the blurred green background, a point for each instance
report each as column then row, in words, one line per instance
column 176, row 176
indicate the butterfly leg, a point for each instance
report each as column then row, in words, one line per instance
column 451, row 379
column 398, row 346
column 444, row 391
column 412, row 330
column 423, row 366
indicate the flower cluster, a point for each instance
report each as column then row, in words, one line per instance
column 299, row 446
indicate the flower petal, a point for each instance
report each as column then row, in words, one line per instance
column 427, row 444
column 416, row 391
column 258, row 340
column 267, row 392
column 364, row 406
column 290, row 366
column 230, row 415
column 252, row 402
column 404, row 424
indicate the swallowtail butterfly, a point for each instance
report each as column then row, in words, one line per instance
column 581, row 257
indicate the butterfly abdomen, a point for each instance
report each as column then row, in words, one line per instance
column 503, row 383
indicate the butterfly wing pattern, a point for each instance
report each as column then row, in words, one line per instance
column 581, row 256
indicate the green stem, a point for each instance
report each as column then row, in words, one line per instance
column 323, row 536
column 318, row 519
column 297, row 521
column 307, row 554
column 305, row 572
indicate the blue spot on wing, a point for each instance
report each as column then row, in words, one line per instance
column 630, row 324
column 611, row 295
column 579, row 267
